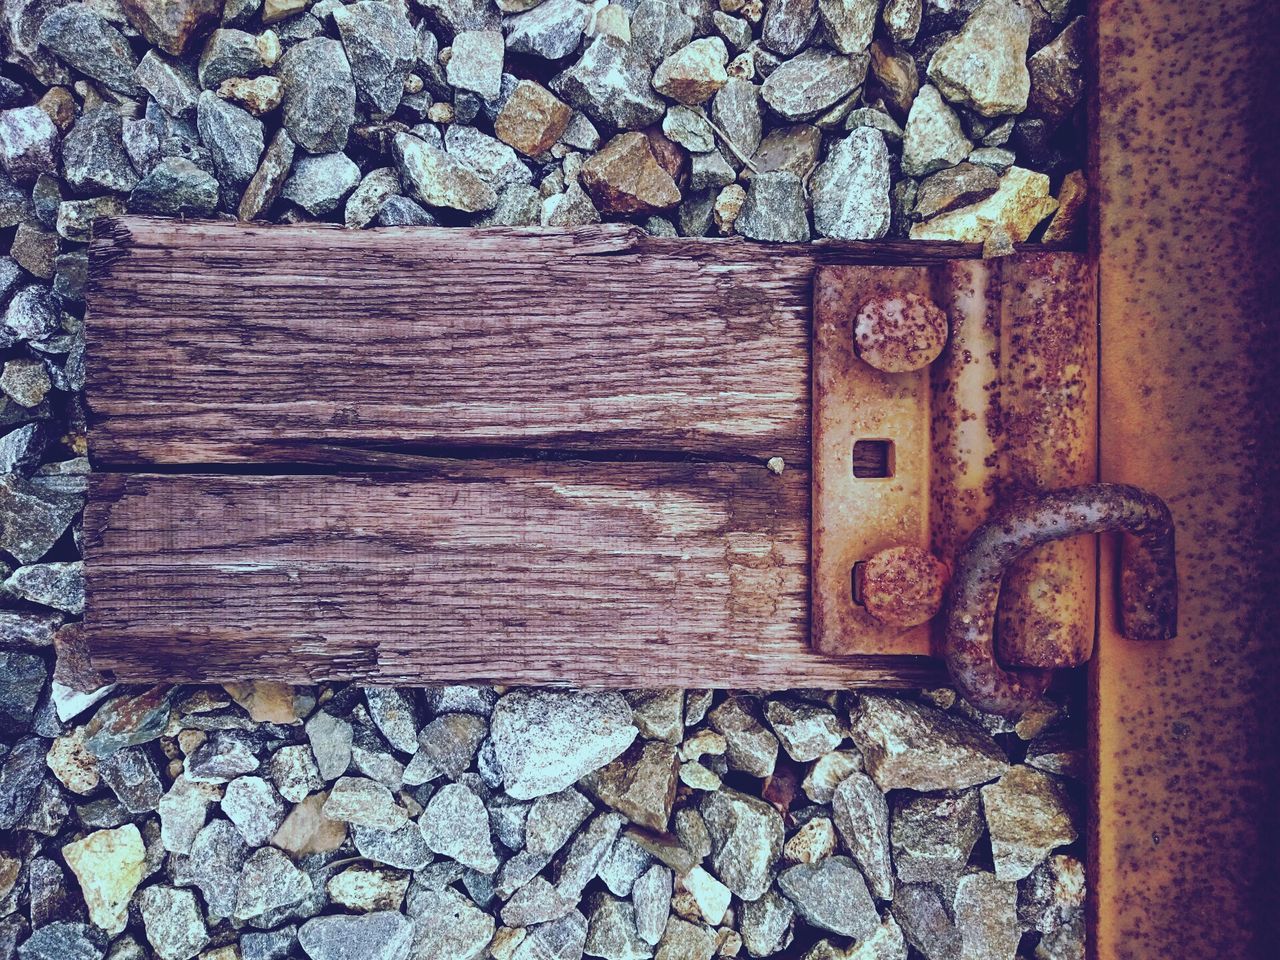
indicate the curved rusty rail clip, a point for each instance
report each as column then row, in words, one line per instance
column 1148, row 581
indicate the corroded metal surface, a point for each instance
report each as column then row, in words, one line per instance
column 1017, row 370
column 1049, row 440
column 1148, row 581
column 1184, row 846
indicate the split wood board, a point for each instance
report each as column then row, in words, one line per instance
column 423, row 455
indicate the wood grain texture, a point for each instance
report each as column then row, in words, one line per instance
column 644, row 574
column 224, row 342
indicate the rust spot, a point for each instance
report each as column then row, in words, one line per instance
column 903, row 586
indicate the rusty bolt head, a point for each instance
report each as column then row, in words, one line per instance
column 899, row 333
column 903, row 586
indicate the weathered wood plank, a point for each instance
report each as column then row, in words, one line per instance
column 647, row 574
column 223, row 342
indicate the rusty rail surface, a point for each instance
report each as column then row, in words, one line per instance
column 1183, row 846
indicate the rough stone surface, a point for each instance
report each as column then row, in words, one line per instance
column 812, row 82
column 861, row 815
column 775, row 209
column 1028, row 815
column 746, row 838
column 544, row 740
column 108, row 865
column 456, row 824
column 851, row 189
column 831, row 895
column 611, row 85
column 984, row 66
column 319, row 95
column 382, row 935
column 911, row 746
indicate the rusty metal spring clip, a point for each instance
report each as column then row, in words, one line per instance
column 1148, row 581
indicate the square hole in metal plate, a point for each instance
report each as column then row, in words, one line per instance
column 873, row 459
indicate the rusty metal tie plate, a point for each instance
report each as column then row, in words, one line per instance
column 920, row 457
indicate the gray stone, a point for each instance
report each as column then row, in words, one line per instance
column 364, row 802
column 984, row 66
column 850, row 24
column 1028, row 815
column 174, row 927
column 611, row 930
column 876, row 119
column 21, row 449
column 861, row 815
column 573, row 208
column 448, row 926
column 538, row 901
column 384, row 935
column 33, row 515
column 925, row 921
column 476, row 62
column 934, row 834
column 21, row 774
column 367, row 199
column 404, row 849
column 736, row 110
column 22, row 679
column 271, row 945
column 492, row 160
column 766, row 924
column 330, row 738
column 455, row 824
column 774, row 209
column 624, row 865
column 682, row 940
column 551, row 30
column 651, row 897
column 319, row 95
column 851, row 189
column 228, row 54
column 171, row 83
column 545, row 740
column 746, row 837
column 805, row 731
column 234, row 137
column 735, row 31
column 788, row 25
column 63, row 941
column 986, row 917
column 954, row 187
column 381, row 47
column 58, row 585
column 691, row 829
column 93, row 155
column 460, row 698
column 750, row 747
column 610, row 83
column 254, row 807
column 562, row 939
column 688, row 127
column 133, row 778
column 371, row 756
column 25, row 381
column 907, row 745
column 175, row 186
column 32, row 314
column 439, row 180
column 709, row 171
column 446, row 747
column 85, row 41
column 580, row 863
column 402, row 212
column 1053, row 894
column 183, row 811
column 553, row 819
column 659, row 28
column 269, row 880
column 831, row 895
column 454, row 16
column 318, row 184
column 812, row 83
column 293, row 771
column 217, row 856
column 934, row 138
column 28, row 144
column 227, row 754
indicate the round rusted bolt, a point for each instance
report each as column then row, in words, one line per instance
column 903, row 586
column 900, row 332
